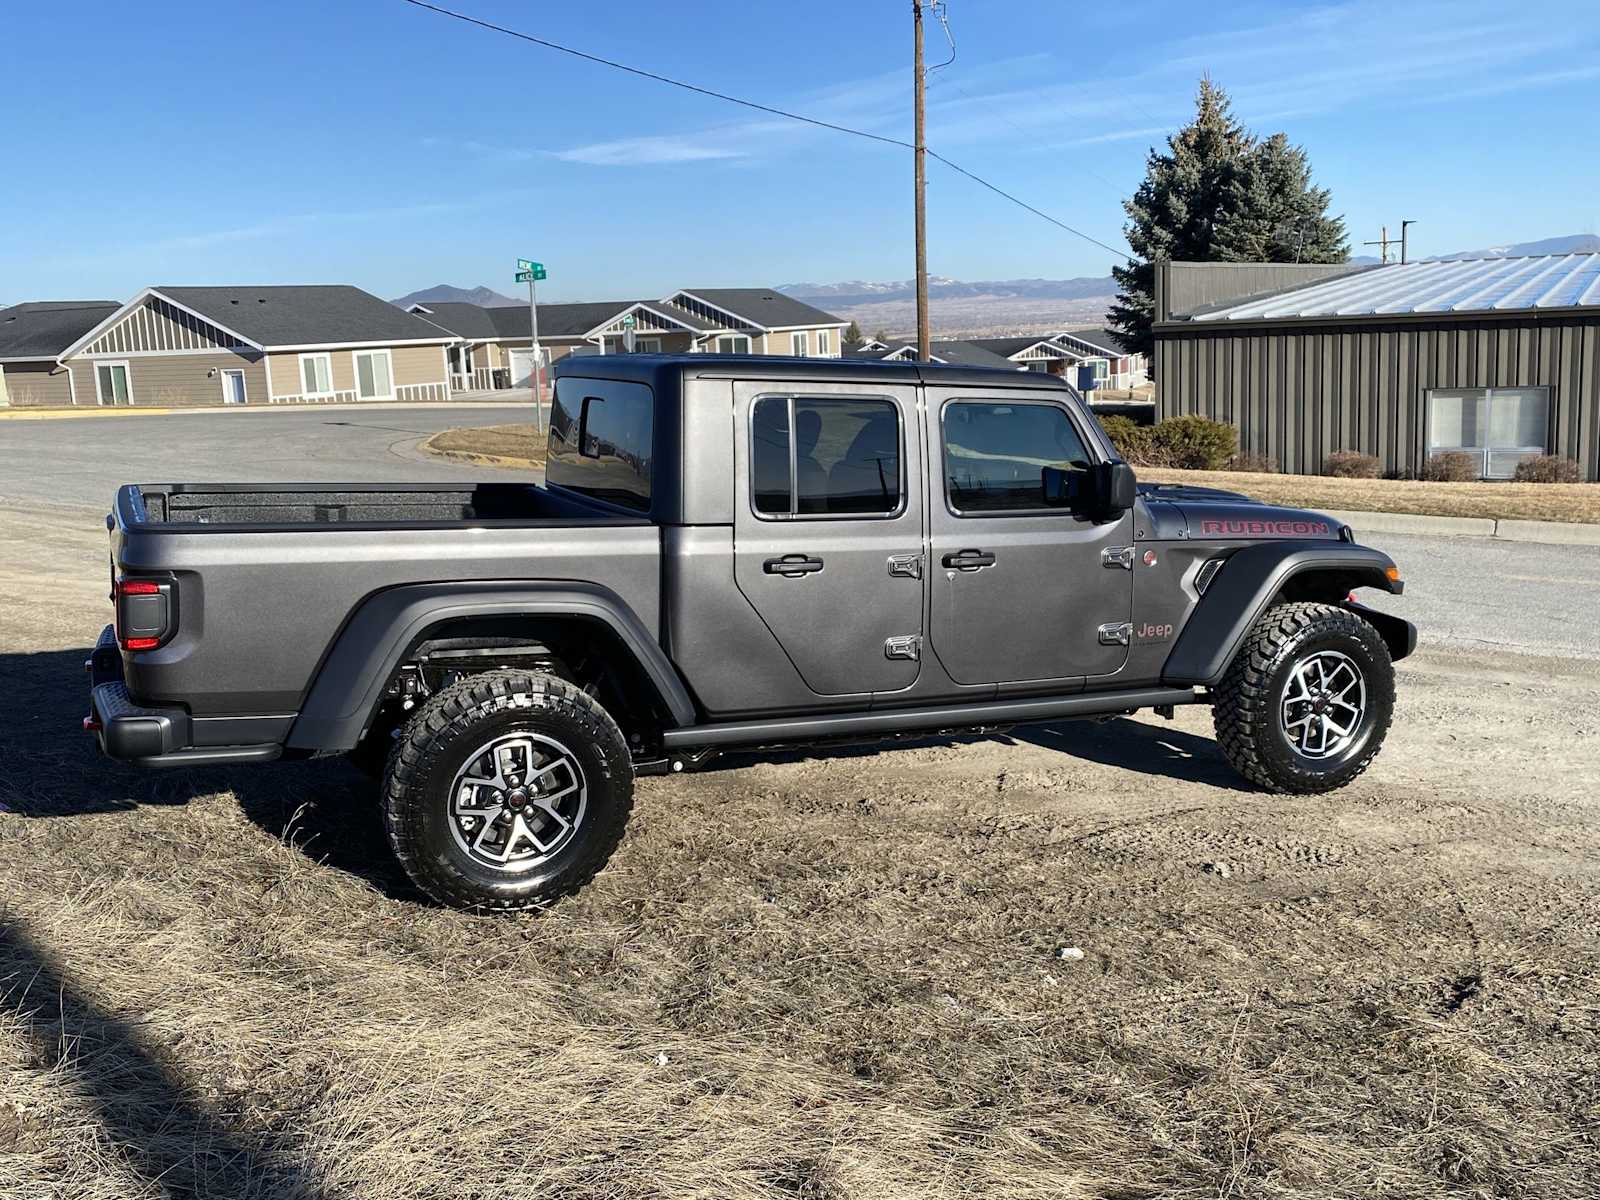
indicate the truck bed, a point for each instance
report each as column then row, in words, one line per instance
column 295, row 506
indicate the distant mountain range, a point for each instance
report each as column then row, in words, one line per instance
column 443, row 292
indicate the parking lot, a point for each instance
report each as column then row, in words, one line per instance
column 822, row 975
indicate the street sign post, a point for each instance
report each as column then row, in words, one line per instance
column 628, row 324
column 530, row 272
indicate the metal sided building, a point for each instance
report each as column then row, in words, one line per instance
column 1499, row 357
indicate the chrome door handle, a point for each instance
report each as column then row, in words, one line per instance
column 905, row 566
column 1117, row 556
column 969, row 560
column 792, row 565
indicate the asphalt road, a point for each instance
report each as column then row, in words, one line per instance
column 82, row 460
column 1461, row 592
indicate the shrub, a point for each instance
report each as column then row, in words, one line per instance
column 1548, row 468
column 1193, row 443
column 1131, row 439
column 1352, row 464
column 1453, row 466
column 1259, row 464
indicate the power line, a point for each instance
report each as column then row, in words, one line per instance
column 751, row 104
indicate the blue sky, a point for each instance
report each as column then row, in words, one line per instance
column 370, row 142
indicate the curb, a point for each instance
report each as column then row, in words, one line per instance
column 475, row 459
column 1561, row 533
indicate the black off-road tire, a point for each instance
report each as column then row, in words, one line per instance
column 438, row 741
column 1246, row 708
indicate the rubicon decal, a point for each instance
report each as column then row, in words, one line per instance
column 1267, row 528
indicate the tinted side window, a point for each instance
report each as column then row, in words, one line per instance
column 994, row 454
column 818, row 457
column 601, row 440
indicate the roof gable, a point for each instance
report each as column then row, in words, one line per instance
column 287, row 316
column 762, row 308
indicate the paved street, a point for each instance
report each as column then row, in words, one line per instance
column 1466, row 592
column 81, row 460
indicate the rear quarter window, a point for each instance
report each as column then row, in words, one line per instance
column 602, row 440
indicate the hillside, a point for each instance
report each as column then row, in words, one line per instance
column 444, row 292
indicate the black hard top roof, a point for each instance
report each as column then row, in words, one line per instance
column 674, row 368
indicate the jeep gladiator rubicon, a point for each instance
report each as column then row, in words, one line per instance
column 726, row 552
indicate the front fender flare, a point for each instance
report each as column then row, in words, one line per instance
column 349, row 685
column 1246, row 585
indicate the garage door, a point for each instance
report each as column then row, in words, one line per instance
column 522, row 368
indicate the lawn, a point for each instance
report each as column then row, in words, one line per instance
column 1568, row 502
column 521, row 442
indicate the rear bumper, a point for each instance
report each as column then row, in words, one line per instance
column 148, row 737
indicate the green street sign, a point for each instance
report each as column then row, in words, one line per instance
column 628, row 322
column 526, row 277
column 538, row 271
column 524, row 265
column 528, row 267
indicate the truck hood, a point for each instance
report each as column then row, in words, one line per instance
column 1211, row 513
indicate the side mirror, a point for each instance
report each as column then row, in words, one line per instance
column 1120, row 489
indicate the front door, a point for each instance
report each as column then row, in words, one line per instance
column 233, row 387
column 828, row 529
column 111, row 383
column 1020, row 591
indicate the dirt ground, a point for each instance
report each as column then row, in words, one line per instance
column 1569, row 502
column 849, row 975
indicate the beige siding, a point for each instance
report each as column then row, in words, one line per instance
column 176, row 380
column 35, row 385
column 418, row 374
column 781, row 342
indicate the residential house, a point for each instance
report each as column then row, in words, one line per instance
column 1106, row 359
column 492, row 346
column 256, row 345
column 32, row 337
column 954, row 353
column 1033, row 353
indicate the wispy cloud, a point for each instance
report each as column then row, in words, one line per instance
column 647, row 151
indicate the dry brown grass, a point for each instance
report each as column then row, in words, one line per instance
column 1568, row 502
column 217, row 984
column 519, row 442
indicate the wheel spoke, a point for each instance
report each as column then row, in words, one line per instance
column 1324, row 702
column 520, row 799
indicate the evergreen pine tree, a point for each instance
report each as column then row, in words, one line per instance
column 852, row 335
column 1278, row 214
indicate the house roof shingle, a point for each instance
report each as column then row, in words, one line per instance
column 44, row 328
column 305, row 314
column 958, row 353
column 1006, row 347
column 767, row 307
column 459, row 317
column 1108, row 341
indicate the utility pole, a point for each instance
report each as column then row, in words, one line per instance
column 1404, row 225
column 924, row 348
column 1383, row 240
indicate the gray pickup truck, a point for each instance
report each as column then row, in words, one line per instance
column 728, row 552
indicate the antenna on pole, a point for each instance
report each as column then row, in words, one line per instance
column 1384, row 241
column 920, row 154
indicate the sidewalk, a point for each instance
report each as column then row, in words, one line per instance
column 480, row 399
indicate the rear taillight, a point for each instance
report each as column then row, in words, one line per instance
column 145, row 612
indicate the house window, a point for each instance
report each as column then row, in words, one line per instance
column 316, row 374
column 1501, row 426
column 824, row 457
column 644, row 345
column 824, row 343
column 733, row 343
column 800, row 344
column 111, row 383
column 374, row 375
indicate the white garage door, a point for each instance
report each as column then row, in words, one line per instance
column 522, row 368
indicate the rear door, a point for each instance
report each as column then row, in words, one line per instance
column 1021, row 593
column 828, row 529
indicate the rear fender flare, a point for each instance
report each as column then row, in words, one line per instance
column 1247, row 584
column 349, row 685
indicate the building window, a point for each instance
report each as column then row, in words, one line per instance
column 650, row 345
column 816, row 457
column 995, row 455
column 374, row 375
column 111, row 383
column 1500, row 426
column 824, row 343
column 800, row 344
column 733, row 343
column 601, row 440
column 316, row 374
